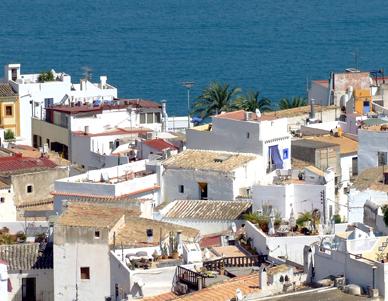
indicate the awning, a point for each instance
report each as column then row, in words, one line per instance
column 275, row 156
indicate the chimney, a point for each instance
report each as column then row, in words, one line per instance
column 83, row 84
column 312, row 109
column 150, row 236
column 164, row 115
column 247, row 116
column 103, row 80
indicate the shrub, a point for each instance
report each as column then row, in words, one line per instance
column 46, row 76
column 9, row 135
column 337, row 218
column 304, row 217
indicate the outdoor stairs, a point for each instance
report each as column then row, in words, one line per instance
column 381, row 250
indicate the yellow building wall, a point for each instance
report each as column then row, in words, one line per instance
column 361, row 95
column 11, row 122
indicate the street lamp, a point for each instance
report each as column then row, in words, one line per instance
column 188, row 86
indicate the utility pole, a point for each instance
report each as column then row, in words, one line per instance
column 188, row 86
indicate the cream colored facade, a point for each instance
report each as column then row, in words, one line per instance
column 10, row 114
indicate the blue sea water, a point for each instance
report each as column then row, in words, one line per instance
column 148, row 47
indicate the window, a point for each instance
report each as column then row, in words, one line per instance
column 354, row 166
column 96, row 234
column 157, row 117
column 111, row 145
column 248, row 134
column 150, row 117
column 85, row 273
column 181, row 189
column 2, row 200
column 202, row 191
column 142, row 118
column 29, row 188
column 381, row 158
column 8, row 111
column 285, row 153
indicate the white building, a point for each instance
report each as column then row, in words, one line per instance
column 356, row 254
column 93, row 246
column 124, row 182
column 370, row 186
column 36, row 95
column 315, row 190
column 246, row 132
column 107, row 125
column 373, row 147
column 30, row 271
column 201, row 175
column 3, row 281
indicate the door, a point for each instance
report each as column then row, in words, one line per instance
column 203, row 190
column 29, row 289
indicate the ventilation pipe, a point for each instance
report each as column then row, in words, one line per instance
column 312, row 110
column 164, row 115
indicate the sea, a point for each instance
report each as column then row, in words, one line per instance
column 147, row 48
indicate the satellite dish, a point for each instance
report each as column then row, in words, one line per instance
column 258, row 113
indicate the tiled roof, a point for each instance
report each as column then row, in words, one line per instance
column 27, row 256
column 6, row 90
column 116, row 131
column 18, row 163
column 162, row 297
column 207, row 209
column 219, row 292
column 299, row 111
column 347, row 145
column 371, row 178
column 208, row 160
column 143, row 103
column 240, row 116
column 159, row 144
column 92, row 215
column 134, row 231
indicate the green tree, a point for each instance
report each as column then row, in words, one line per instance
column 46, row 76
column 304, row 217
column 214, row 99
column 252, row 101
column 9, row 135
column 294, row 102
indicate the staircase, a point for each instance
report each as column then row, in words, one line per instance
column 381, row 250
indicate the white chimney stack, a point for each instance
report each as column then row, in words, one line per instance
column 103, row 80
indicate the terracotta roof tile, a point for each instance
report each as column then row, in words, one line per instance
column 159, row 144
column 18, row 162
column 219, row 292
column 240, row 116
column 6, row 90
column 208, row 160
column 134, row 231
column 27, row 256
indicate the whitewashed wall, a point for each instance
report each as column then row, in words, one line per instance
column 370, row 143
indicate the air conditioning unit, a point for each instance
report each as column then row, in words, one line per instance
column 339, row 282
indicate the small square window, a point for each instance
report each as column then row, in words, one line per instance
column 8, row 111
column 29, row 188
column 96, row 234
column 2, row 200
column 85, row 273
column 181, row 189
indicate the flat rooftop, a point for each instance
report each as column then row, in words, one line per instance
column 347, row 145
column 208, row 160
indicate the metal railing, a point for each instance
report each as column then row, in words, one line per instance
column 227, row 262
column 193, row 279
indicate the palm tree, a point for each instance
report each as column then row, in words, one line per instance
column 294, row 102
column 214, row 99
column 251, row 102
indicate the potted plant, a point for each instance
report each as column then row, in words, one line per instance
column 164, row 251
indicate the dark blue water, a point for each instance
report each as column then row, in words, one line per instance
column 147, row 48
